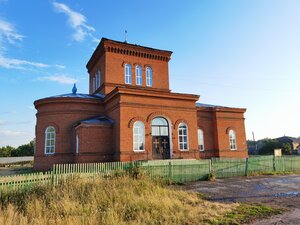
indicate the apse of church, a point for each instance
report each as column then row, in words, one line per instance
column 130, row 114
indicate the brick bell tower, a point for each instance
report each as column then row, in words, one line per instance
column 112, row 59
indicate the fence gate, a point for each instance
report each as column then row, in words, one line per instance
column 228, row 167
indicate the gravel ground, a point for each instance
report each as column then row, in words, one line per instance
column 277, row 191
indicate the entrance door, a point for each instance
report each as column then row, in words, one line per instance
column 160, row 138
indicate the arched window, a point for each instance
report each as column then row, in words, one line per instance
column 232, row 140
column 138, row 136
column 159, row 127
column 183, row 136
column 149, row 77
column 128, row 74
column 200, row 140
column 50, row 140
column 138, row 75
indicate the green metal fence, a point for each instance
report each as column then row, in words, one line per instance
column 174, row 170
column 178, row 170
column 291, row 163
column 228, row 167
column 261, row 164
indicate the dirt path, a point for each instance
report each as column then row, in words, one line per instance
column 9, row 171
column 278, row 191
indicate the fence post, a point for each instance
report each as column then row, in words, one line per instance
column 209, row 166
column 246, row 167
column 274, row 163
column 170, row 170
column 52, row 175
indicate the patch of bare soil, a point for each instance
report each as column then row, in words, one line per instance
column 276, row 191
column 14, row 170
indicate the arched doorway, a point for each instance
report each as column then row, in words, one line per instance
column 160, row 138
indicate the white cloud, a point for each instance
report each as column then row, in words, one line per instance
column 62, row 79
column 11, row 133
column 77, row 21
column 9, row 33
column 5, row 123
column 9, row 63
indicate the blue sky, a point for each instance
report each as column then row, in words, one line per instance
column 232, row 53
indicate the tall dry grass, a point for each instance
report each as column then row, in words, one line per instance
column 121, row 200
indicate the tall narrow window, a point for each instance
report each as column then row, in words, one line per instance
column 77, row 144
column 98, row 78
column 200, row 140
column 96, row 81
column 149, row 77
column 128, row 74
column 50, row 140
column 138, row 75
column 94, row 84
column 232, row 140
column 183, row 136
column 138, row 136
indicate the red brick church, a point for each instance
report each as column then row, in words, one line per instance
column 131, row 114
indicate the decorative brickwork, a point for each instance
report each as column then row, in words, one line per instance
column 100, row 126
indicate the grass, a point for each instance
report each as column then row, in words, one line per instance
column 119, row 200
column 246, row 213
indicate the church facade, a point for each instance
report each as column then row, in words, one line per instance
column 130, row 114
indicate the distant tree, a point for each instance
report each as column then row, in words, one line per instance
column 251, row 142
column 267, row 146
column 6, row 151
column 24, row 150
column 286, row 148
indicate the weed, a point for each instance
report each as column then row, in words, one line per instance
column 212, row 176
column 117, row 200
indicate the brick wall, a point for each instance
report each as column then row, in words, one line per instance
column 94, row 143
column 62, row 114
column 216, row 123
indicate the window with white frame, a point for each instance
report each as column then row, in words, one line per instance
column 232, row 140
column 50, row 140
column 149, row 77
column 97, row 77
column 138, row 75
column 183, row 136
column 200, row 140
column 128, row 74
column 138, row 136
